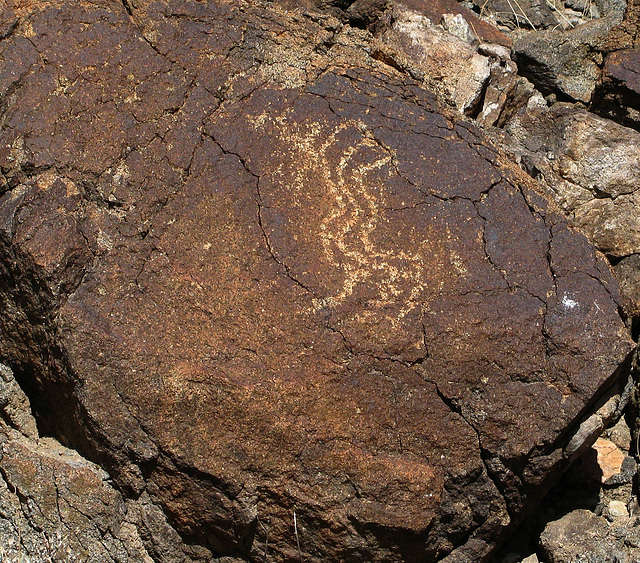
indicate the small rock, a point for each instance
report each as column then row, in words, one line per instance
column 618, row 509
column 626, row 475
column 576, row 534
column 566, row 63
column 628, row 275
column 620, row 434
column 494, row 50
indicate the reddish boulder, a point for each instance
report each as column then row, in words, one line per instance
column 267, row 281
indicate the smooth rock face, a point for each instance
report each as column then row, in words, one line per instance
column 267, row 284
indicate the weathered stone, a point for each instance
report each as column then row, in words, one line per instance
column 578, row 536
column 620, row 435
column 456, row 25
column 277, row 291
column 435, row 9
column 443, row 57
column 617, row 509
column 564, row 62
column 581, row 536
column 533, row 14
column 57, row 506
column 590, row 165
column 625, row 35
column 505, row 94
column 628, row 275
column 618, row 94
column 610, row 458
column 14, row 405
column 371, row 13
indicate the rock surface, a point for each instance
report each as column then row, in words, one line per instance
column 57, row 506
column 272, row 287
column 444, row 57
column 583, row 536
column 619, row 91
column 565, row 62
column 589, row 165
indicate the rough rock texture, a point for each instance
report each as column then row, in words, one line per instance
column 565, row 62
column 371, row 14
column 544, row 14
column 442, row 56
column 610, row 458
column 271, row 287
column 57, row 506
column 628, row 275
column 590, row 165
column 618, row 94
column 581, row 536
column 626, row 35
column 435, row 9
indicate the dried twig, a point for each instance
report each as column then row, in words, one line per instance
column 295, row 529
column 554, row 7
column 524, row 15
column 266, row 540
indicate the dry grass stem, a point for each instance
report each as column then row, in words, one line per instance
column 295, row 529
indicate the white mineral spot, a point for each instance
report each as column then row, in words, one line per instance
column 569, row 303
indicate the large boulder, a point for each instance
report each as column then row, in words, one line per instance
column 277, row 292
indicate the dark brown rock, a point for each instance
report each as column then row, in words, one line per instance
column 618, row 94
column 624, row 66
column 269, row 285
column 565, row 63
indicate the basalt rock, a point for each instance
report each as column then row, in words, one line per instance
column 619, row 90
column 277, row 292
